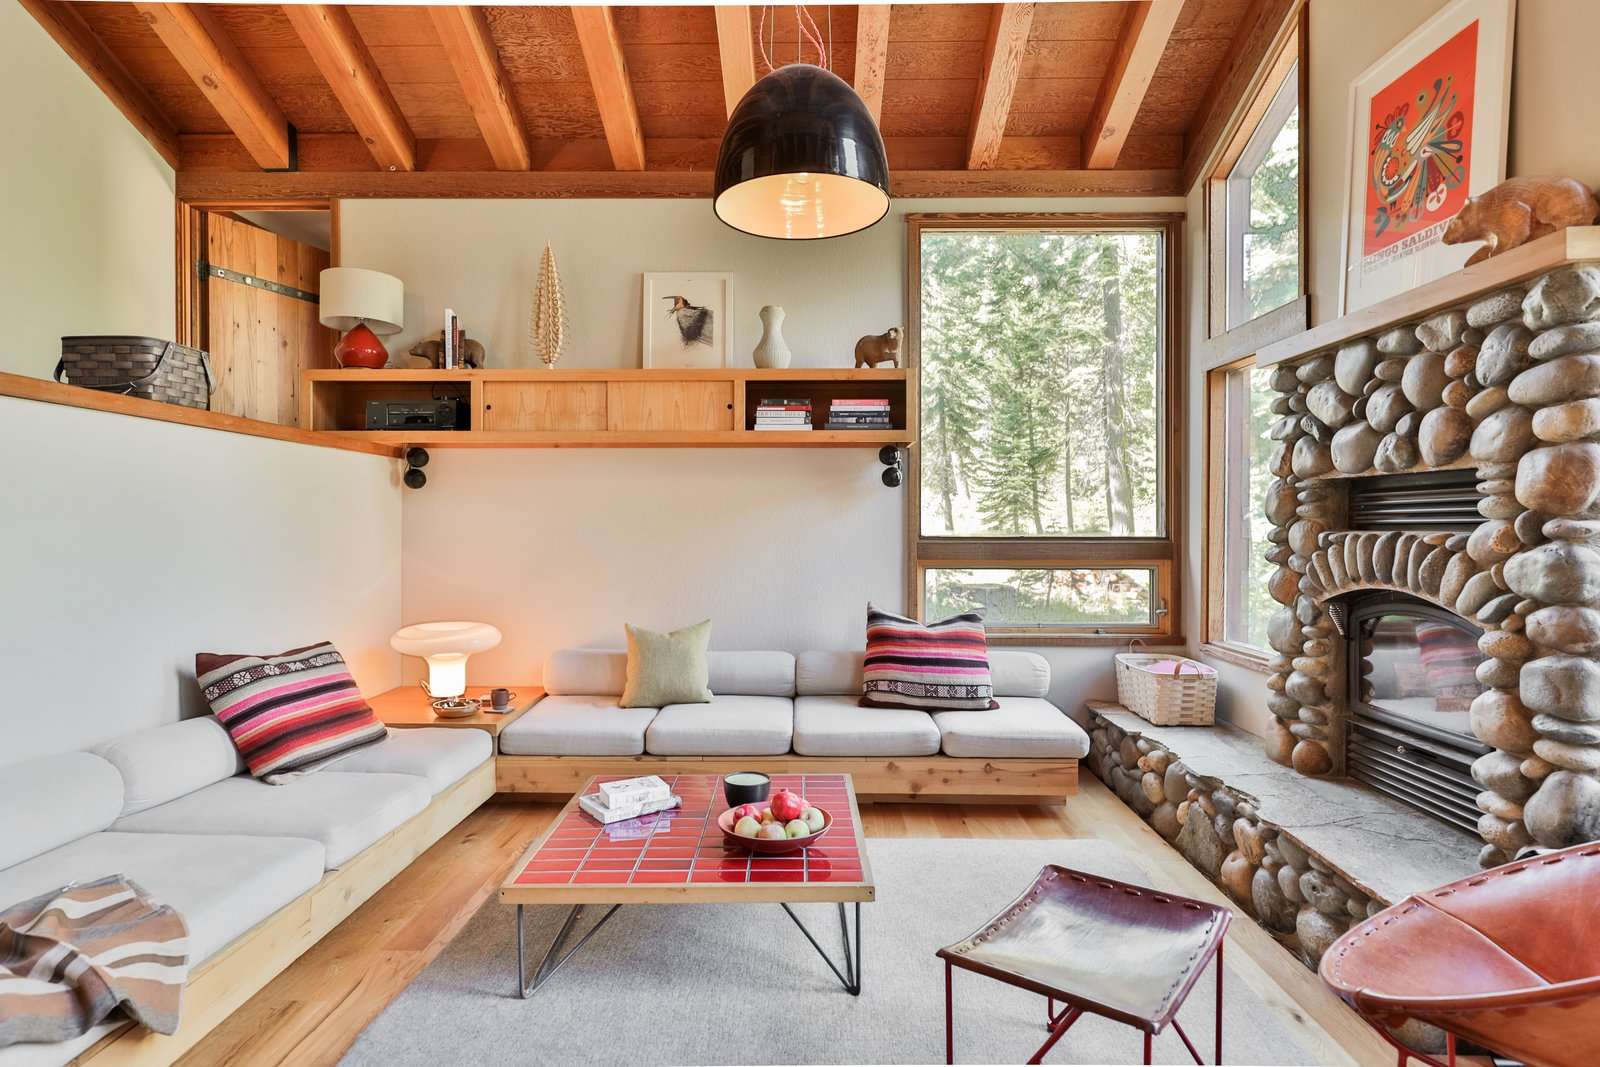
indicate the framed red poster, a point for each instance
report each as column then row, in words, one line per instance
column 1428, row 130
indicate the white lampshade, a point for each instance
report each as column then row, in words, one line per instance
column 446, row 646
column 351, row 296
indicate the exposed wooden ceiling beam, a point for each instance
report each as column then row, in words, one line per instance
column 216, row 66
column 63, row 23
column 1002, row 62
column 613, row 91
column 234, row 186
column 341, row 55
column 872, row 55
column 1145, row 32
column 738, row 54
column 464, row 34
column 1265, row 27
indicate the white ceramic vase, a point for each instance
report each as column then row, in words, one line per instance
column 773, row 352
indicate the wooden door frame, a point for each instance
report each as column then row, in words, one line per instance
column 191, row 247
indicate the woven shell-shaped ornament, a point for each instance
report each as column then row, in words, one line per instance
column 549, row 329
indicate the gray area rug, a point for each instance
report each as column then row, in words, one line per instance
column 738, row 984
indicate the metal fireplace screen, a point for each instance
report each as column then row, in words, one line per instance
column 1413, row 678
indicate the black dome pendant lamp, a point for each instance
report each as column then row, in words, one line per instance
column 801, row 159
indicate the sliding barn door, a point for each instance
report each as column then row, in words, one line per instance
column 261, row 323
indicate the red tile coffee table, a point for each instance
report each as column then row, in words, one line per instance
column 678, row 857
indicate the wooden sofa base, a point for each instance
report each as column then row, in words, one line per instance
column 916, row 778
column 221, row 985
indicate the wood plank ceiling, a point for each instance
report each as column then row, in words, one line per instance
column 1104, row 96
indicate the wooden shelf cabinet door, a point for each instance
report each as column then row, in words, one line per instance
column 670, row 406
column 544, row 406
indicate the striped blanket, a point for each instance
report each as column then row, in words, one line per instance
column 72, row 956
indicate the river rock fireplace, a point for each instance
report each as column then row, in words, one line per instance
column 1435, row 528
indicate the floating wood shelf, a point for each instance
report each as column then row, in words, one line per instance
column 538, row 408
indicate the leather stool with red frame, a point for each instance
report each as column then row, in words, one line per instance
column 1100, row 947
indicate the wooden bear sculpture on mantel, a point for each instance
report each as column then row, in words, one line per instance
column 879, row 348
column 1518, row 210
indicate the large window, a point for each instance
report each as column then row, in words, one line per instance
column 1240, row 412
column 1041, row 472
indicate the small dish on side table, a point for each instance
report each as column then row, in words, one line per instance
column 456, row 707
column 770, row 846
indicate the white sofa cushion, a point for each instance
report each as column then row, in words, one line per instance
column 166, row 762
column 837, row 726
column 52, row 800
column 1019, row 674
column 585, row 672
column 221, row 885
column 583, row 725
column 731, row 725
column 1020, row 728
column 439, row 755
column 756, row 674
column 342, row 812
column 827, row 673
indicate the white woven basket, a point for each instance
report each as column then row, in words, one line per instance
column 1186, row 698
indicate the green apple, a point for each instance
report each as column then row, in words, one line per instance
column 797, row 828
column 772, row 832
column 814, row 818
column 747, row 827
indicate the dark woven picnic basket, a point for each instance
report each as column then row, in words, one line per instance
column 147, row 367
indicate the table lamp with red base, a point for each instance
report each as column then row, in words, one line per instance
column 365, row 303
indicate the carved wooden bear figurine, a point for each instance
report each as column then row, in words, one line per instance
column 428, row 354
column 879, row 348
column 1518, row 210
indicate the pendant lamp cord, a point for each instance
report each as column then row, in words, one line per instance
column 806, row 32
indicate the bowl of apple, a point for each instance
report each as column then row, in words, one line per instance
column 784, row 824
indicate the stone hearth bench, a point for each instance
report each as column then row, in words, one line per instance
column 1305, row 857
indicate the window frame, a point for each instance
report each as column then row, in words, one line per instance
column 1224, row 343
column 1158, row 554
column 1219, row 434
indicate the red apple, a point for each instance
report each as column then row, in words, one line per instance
column 787, row 806
column 752, row 811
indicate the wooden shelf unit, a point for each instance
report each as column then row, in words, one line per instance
column 625, row 408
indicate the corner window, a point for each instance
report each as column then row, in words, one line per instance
column 1263, row 212
column 1238, row 606
column 1040, row 476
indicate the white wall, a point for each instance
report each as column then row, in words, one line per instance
column 87, row 229
column 561, row 547
column 1554, row 82
column 130, row 545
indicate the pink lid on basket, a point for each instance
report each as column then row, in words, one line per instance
column 1177, row 666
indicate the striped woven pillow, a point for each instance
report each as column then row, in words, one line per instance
column 941, row 666
column 289, row 714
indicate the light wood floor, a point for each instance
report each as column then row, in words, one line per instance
column 313, row 1011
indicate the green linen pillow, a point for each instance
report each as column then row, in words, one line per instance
column 667, row 668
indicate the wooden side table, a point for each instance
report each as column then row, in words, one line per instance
column 408, row 706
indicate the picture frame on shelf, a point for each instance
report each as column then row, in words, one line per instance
column 686, row 319
column 1428, row 126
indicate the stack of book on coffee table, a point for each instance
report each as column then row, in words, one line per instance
column 628, row 798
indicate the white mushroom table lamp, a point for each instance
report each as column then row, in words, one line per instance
column 446, row 646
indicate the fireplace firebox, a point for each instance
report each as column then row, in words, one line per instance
column 1412, row 680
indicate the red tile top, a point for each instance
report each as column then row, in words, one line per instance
column 685, row 845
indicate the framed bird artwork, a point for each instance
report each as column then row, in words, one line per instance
column 687, row 319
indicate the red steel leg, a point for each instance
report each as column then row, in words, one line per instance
column 1149, row 1039
column 949, row 1018
column 1450, row 1047
column 1069, row 1015
column 1049, row 1012
column 1219, row 1003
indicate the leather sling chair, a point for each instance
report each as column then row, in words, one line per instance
column 1509, row 959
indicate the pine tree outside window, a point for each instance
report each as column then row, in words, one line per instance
column 1262, row 213
column 1040, row 485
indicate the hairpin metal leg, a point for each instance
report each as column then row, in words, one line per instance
column 850, row 977
column 554, row 957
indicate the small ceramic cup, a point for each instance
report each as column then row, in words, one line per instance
column 500, row 698
column 745, row 787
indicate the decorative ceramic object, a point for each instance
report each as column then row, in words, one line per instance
column 880, row 348
column 1518, row 210
column 549, row 327
column 773, row 351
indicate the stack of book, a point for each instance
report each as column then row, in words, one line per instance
column 629, row 799
column 778, row 413
column 859, row 414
